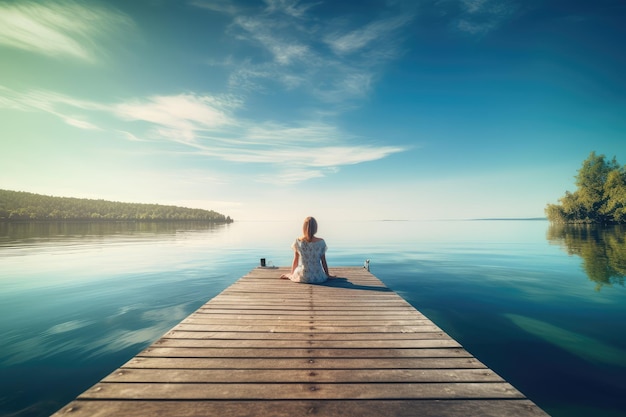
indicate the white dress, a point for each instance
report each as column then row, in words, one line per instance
column 309, row 268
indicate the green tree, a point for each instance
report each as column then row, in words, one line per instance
column 615, row 192
column 599, row 198
column 22, row 206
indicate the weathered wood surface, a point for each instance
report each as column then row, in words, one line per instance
column 269, row 347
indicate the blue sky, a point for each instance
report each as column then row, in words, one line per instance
column 279, row 109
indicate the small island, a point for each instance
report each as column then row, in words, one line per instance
column 16, row 206
column 600, row 197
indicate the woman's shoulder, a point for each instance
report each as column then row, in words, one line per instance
column 303, row 239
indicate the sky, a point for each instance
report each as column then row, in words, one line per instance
column 281, row 109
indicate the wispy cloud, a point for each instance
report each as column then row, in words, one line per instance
column 179, row 117
column 59, row 29
column 69, row 110
column 282, row 44
column 479, row 17
column 294, row 8
column 474, row 6
column 289, row 176
column 331, row 60
column 209, row 126
column 379, row 32
column 285, row 50
column 221, row 6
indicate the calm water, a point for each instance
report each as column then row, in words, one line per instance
column 544, row 307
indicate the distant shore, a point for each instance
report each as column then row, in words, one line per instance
column 79, row 220
column 16, row 206
column 511, row 218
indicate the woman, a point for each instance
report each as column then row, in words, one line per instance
column 309, row 258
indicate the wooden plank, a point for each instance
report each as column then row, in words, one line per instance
column 299, row 336
column 204, row 352
column 303, row 363
column 338, row 313
column 214, row 306
column 347, row 314
column 270, row 347
column 310, row 328
column 278, row 391
column 306, row 321
column 291, row 408
column 301, row 375
column 434, row 342
column 286, row 318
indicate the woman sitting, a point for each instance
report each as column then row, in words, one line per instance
column 309, row 259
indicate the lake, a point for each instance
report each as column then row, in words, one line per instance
column 543, row 306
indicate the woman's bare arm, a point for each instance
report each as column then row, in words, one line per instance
column 325, row 266
column 296, row 259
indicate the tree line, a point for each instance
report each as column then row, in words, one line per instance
column 24, row 206
column 600, row 197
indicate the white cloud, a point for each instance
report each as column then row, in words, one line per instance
column 290, row 176
column 81, row 124
column 58, row 28
column 52, row 103
column 8, row 100
column 279, row 134
column 178, row 117
column 352, row 84
column 208, row 126
column 129, row 136
column 293, row 8
column 474, row 6
column 348, row 155
column 478, row 17
column 221, row 6
column 284, row 50
column 331, row 60
column 360, row 38
column 302, row 155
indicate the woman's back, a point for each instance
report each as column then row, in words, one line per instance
column 310, row 269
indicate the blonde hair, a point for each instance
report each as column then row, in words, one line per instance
column 309, row 228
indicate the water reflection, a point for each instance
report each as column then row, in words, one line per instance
column 77, row 300
column 602, row 249
column 585, row 347
column 88, row 338
column 37, row 231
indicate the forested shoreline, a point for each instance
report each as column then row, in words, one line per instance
column 24, row 206
column 600, row 197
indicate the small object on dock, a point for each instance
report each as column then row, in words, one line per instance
column 366, row 265
column 267, row 264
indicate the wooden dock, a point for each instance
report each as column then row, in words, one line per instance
column 269, row 347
